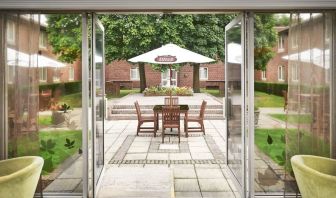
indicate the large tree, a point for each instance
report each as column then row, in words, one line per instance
column 129, row 35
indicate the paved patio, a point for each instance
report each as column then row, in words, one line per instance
column 142, row 166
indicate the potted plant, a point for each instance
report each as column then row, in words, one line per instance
column 256, row 115
column 61, row 115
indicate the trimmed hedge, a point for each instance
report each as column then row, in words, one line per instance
column 66, row 87
column 271, row 88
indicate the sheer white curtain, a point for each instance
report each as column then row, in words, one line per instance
column 309, row 84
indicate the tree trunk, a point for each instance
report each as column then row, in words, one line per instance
column 196, row 80
column 142, row 77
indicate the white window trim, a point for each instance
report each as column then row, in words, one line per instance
column 281, row 75
column 12, row 24
column 41, row 46
column 71, row 73
column 207, row 76
column 46, row 74
column 263, row 75
column 56, row 78
column 281, row 46
column 138, row 77
column 296, row 73
column 162, row 79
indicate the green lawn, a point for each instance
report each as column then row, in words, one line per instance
column 74, row 100
column 214, row 92
column 55, row 155
column 123, row 92
column 45, row 120
column 303, row 143
column 268, row 100
column 61, row 152
column 293, row 119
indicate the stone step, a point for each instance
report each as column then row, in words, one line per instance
column 134, row 116
column 118, row 106
column 150, row 111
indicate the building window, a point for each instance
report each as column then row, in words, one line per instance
column 295, row 72
column 71, row 73
column 203, row 73
column 11, row 32
column 281, row 76
column 263, row 75
column 281, row 43
column 43, row 39
column 56, row 77
column 43, row 72
column 294, row 40
column 11, row 74
column 135, row 75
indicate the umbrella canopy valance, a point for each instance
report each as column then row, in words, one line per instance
column 171, row 54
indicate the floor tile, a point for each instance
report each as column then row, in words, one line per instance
column 218, row 195
column 214, row 185
column 198, row 156
column 169, row 147
column 184, row 173
column 179, row 156
column 188, row 195
column 140, row 156
column 157, row 156
column 186, row 185
column 205, row 173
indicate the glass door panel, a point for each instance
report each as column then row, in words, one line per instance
column 235, row 99
column 98, row 96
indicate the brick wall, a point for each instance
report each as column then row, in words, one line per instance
column 120, row 70
column 276, row 61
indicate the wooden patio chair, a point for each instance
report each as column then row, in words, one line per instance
column 170, row 119
column 143, row 119
column 199, row 119
column 171, row 101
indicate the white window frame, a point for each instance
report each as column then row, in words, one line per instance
column 281, row 73
column 11, row 29
column 295, row 72
column 43, row 39
column 174, row 80
column 44, row 73
column 137, row 72
column 56, row 77
column 294, row 40
column 263, row 75
column 71, row 73
column 207, row 73
column 281, row 43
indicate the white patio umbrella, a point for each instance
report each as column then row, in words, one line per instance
column 170, row 54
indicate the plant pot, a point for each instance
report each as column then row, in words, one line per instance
column 59, row 118
column 256, row 117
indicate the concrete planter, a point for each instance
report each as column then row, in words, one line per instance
column 60, row 119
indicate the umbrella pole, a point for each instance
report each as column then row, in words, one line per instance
column 170, row 82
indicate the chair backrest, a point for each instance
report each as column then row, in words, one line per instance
column 171, row 101
column 171, row 115
column 138, row 111
column 202, row 111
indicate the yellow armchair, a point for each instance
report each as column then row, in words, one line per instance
column 315, row 176
column 19, row 176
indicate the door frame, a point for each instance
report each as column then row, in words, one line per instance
column 246, row 188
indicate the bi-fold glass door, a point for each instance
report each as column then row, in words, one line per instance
column 94, row 89
column 238, row 64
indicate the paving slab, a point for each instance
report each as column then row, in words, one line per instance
column 157, row 156
column 137, row 182
column 184, row 173
column 209, row 173
column 188, row 195
column 63, row 185
column 218, row 195
column 186, row 185
column 214, row 185
column 179, row 156
column 140, row 156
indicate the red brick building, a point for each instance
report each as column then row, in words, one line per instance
column 277, row 68
column 123, row 70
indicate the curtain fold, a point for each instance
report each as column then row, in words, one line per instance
column 309, row 82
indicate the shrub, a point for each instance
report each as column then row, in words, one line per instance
column 67, row 87
column 271, row 88
column 165, row 91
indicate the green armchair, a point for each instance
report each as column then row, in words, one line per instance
column 315, row 176
column 19, row 176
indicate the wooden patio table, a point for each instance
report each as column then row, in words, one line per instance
column 184, row 108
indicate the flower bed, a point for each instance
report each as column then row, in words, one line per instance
column 165, row 91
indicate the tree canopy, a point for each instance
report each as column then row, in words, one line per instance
column 129, row 35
